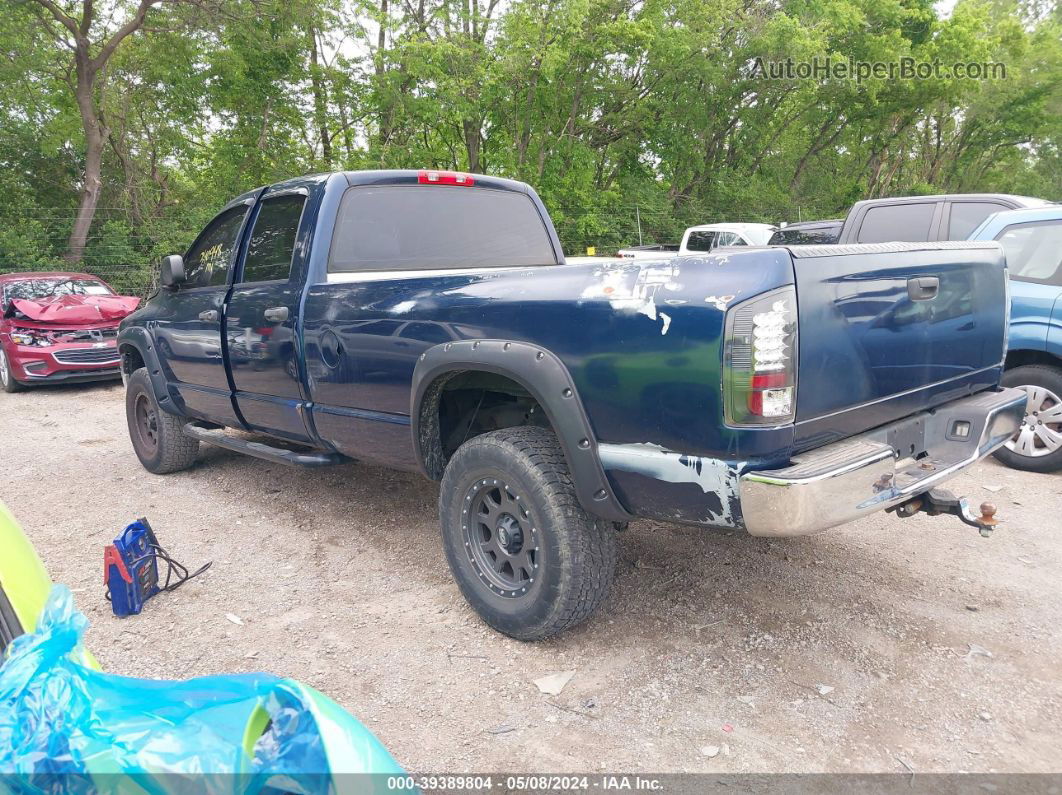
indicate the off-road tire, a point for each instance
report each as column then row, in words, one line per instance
column 9, row 384
column 171, row 450
column 576, row 551
column 1046, row 377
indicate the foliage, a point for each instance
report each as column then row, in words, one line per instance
column 604, row 106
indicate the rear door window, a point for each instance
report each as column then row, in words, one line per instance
column 892, row 222
column 1034, row 251
column 272, row 243
column 967, row 216
column 702, row 241
column 210, row 257
column 428, row 227
column 803, row 237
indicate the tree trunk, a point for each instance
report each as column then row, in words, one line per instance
column 386, row 101
column 473, row 143
column 348, row 142
column 90, row 73
column 320, row 101
column 95, row 136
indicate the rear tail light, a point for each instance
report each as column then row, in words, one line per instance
column 759, row 360
column 426, row 177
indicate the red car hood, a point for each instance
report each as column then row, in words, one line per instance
column 76, row 309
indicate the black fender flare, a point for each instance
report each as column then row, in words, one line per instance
column 545, row 378
column 139, row 338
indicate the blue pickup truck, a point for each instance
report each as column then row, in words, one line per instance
column 427, row 321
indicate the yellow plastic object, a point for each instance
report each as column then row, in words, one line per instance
column 24, row 579
column 591, row 251
column 22, row 575
column 256, row 726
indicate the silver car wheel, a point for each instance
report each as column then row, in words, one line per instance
column 1040, row 433
column 5, row 372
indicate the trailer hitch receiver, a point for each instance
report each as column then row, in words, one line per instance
column 937, row 502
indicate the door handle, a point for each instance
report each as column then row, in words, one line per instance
column 923, row 288
column 209, row 316
column 276, row 314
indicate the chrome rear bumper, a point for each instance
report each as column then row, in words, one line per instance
column 843, row 481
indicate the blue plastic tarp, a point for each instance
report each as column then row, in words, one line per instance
column 65, row 727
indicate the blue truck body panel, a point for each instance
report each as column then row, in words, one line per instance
column 644, row 356
column 1054, row 333
column 863, row 338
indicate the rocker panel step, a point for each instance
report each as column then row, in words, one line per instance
column 277, row 455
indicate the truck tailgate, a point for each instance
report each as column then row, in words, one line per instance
column 890, row 329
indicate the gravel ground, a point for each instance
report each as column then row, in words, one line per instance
column 885, row 646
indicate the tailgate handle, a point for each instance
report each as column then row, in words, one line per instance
column 923, row 288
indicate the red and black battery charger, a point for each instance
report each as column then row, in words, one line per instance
column 131, row 569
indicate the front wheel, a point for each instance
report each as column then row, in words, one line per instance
column 1037, row 446
column 158, row 438
column 526, row 555
column 7, row 376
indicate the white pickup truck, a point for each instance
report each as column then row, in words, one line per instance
column 698, row 239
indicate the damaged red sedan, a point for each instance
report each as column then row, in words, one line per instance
column 58, row 327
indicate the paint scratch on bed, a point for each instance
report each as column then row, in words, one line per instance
column 719, row 301
column 629, row 287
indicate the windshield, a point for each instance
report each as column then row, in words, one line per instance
column 35, row 289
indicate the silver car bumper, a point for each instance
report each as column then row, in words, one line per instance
column 843, row 481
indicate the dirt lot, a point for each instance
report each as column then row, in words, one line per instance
column 942, row 649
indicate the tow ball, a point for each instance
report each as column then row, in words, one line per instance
column 937, row 502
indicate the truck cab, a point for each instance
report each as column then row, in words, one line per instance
column 922, row 218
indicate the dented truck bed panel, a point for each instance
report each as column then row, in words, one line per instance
column 640, row 339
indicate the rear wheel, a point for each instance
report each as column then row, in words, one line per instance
column 7, row 377
column 158, row 437
column 1037, row 446
column 526, row 555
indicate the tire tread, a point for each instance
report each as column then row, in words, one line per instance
column 591, row 541
column 178, row 450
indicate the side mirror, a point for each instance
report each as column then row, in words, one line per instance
column 172, row 271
